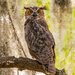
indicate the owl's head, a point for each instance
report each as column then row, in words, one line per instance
column 34, row 12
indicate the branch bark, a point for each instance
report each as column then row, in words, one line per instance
column 25, row 63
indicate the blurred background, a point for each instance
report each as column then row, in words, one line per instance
column 60, row 17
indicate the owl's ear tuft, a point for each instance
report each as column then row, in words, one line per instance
column 26, row 7
column 43, row 7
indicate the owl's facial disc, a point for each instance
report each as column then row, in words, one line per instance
column 34, row 12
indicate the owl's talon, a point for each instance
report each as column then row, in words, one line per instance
column 47, row 71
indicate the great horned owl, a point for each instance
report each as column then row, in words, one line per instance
column 39, row 39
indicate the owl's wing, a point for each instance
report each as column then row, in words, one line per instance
column 46, row 34
column 50, row 43
column 47, row 37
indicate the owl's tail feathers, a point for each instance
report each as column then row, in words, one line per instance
column 49, row 69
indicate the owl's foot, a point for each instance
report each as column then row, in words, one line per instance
column 49, row 69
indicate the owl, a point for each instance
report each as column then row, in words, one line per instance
column 39, row 39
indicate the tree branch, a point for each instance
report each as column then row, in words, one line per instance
column 24, row 63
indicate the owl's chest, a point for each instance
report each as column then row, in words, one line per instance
column 33, row 33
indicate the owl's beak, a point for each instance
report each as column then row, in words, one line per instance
column 34, row 14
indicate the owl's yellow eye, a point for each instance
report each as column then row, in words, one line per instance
column 30, row 11
column 38, row 11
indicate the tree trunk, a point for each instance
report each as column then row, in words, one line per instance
column 11, row 35
column 4, row 36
